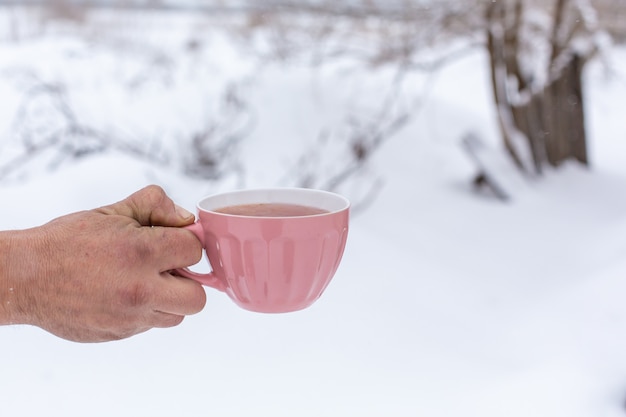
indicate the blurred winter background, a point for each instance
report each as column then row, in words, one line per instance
column 483, row 144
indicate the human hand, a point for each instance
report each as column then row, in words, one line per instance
column 102, row 274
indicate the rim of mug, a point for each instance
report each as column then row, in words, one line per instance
column 343, row 205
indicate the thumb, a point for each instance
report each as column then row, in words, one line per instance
column 151, row 206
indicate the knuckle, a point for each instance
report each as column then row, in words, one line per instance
column 141, row 253
column 155, row 195
column 138, row 246
column 146, row 198
column 154, row 191
column 136, row 295
column 172, row 320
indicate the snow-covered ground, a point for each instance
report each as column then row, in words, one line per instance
column 447, row 303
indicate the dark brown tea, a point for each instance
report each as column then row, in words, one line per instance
column 271, row 210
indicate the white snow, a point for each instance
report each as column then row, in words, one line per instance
column 447, row 302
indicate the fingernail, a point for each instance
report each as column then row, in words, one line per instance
column 182, row 212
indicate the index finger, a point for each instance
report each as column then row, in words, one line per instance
column 173, row 247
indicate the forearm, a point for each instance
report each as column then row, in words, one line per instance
column 17, row 268
column 7, row 289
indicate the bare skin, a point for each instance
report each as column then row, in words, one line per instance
column 102, row 274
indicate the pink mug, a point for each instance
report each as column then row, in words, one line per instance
column 271, row 264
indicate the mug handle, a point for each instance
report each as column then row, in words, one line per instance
column 210, row 279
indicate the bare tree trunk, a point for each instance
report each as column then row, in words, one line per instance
column 550, row 119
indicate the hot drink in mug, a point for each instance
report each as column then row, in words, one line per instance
column 271, row 250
